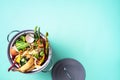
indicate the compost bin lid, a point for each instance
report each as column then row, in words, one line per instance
column 68, row 69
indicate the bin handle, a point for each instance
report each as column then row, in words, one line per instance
column 8, row 36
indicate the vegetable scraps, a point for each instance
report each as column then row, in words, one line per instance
column 30, row 51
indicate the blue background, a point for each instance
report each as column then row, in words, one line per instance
column 88, row 31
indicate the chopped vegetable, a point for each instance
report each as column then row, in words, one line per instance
column 23, row 61
column 26, row 66
column 29, row 38
column 13, row 52
column 42, row 53
column 36, row 56
column 47, row 43
column 18, row 58
column 21, row 45
column 35, row 44
column 22, row 38
column 46, row 34
column 37, row 33
column 34, row 53
column 31, row 68
column 40, row 45
column 21, row 52
column 42, row 60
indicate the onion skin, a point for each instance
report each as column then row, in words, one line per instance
column 29, row 38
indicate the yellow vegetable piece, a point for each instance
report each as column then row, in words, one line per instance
column 47, row 45
column 18, row 58
column 42, row 60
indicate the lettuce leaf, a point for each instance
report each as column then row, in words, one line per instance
column 21, row 45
